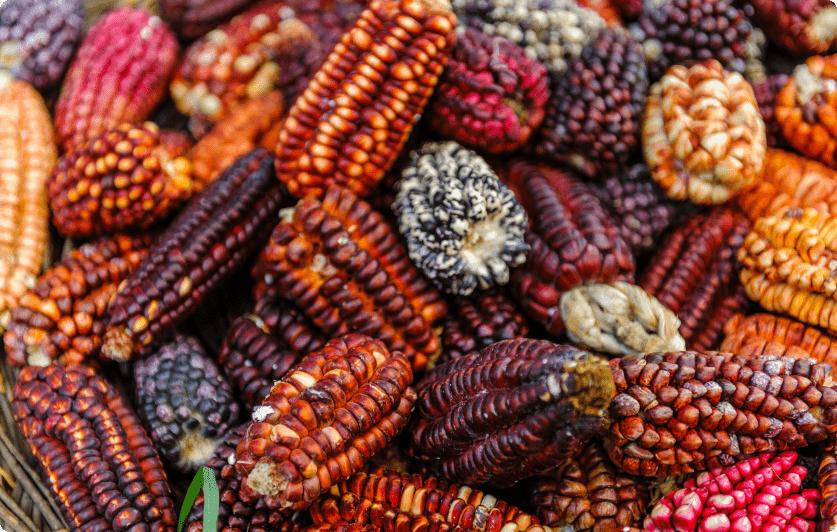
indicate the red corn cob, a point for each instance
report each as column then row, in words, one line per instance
column 392, row 502
column 682, row 412
column 342, row 266
column 322, row 422
column 126, row 178
column 572, row 238
column 98, row 461
column 119, row 75
column 265, row 48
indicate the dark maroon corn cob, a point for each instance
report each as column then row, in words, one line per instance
column 573, row 239
column 119, row 75
column 233, row 514
column 695, row 275
column 184, row 402
column 97, row 460
column 642, row 210
column 588, row 492
column 38, row 38
column 510, row 411
column 289, row 325
column 219, row 229
column 253, row 359
column 478, row 321
column 594, row 112
column 681, row 412
column 684, row 32
column 193, row 18
column 491, row 96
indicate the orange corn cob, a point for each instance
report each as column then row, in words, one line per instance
column 789, row 266
column 774, row 335
column 788, row 180
column 353, row 119
column 806, row 108
column 27, row 154
column 250, row 125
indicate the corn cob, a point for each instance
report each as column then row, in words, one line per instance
column 491, row 96
column 63, row 317
column 642, row 211
column 587, row 492
column 217, row 231
column 480, row 424
column 379, row 76
column 765, row 93
column 806, row 107
column 788, row 180
column 323, row 421
column 28, row 154
column 125, row 179
column 801, row 27
column 184, row 402
column 828, row 489
column 788, row 267
column 683, row 412
column 572, row 238
column 289, row 325
column 193, row 18
column 475, row 323
column 762, row 493
column 341, row 265
column 694, row 274
column 97, row 460
column 265, row 48
column 119, row 75
column 392, row 502
column 38, row 38
column 250, row 125
column 774, row 335
column 702, row 135
column 253, row 359
column 233, row 514
column 464, row 228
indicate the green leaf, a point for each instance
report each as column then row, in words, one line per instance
column 204, row 479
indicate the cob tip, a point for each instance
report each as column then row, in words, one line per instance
column 117, row 345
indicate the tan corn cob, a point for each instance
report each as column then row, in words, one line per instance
column 27, row 154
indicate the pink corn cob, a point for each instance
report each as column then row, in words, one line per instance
column 760, row 494
column 120, row 74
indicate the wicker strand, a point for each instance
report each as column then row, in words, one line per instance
column 619, row 318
